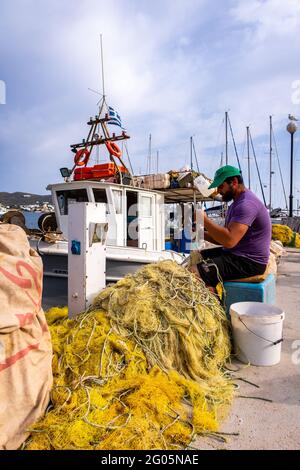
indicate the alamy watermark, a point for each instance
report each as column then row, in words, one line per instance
column 296, row 353
column 2, row 92
column 183, row 226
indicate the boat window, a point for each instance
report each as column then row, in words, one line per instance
column 132, row 219
column 117, row 195
column 64, row 198
column 146, row 206
column 101, row 196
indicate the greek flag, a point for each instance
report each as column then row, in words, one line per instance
column 114, row 117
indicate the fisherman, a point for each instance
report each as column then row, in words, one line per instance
column 245, row 239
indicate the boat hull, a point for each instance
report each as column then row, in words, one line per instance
column 120, row 261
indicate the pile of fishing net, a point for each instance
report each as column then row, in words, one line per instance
column 286, row 235
column 143, row 369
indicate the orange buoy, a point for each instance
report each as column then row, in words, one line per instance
column 82, row 157
column 113, row 148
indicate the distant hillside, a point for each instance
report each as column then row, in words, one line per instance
column 18, row 199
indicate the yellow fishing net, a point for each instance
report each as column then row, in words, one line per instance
column 142, row 369
column 286, row 235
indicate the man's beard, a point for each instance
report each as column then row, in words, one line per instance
column 228, row 196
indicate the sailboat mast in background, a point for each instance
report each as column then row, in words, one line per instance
column 248, row 154
column 226, row 138
column 271, row 171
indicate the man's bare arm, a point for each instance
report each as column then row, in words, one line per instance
column 210, row 239
column 226, row 236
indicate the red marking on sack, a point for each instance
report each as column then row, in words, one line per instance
column 21, row 282
column 26, row 283
column 35, row 274
column 44, row 326
column 25, row 318
column 10, row 361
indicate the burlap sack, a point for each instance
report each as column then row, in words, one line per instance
column 277, row 249
column 25, row 344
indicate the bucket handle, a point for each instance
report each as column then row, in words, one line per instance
column 265, row 339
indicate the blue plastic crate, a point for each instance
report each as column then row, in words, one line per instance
column 250, row 292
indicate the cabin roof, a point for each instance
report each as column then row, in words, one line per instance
column 97, row 184
column 173, row 195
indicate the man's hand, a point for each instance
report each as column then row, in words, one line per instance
column 201, row 216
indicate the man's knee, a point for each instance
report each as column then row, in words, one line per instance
column 194, row 269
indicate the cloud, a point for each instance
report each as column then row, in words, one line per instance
column 172, row 68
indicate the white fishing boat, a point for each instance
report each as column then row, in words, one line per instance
column 135, row 214
column 136, row 227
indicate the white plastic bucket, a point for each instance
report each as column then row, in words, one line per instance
column 257, row 332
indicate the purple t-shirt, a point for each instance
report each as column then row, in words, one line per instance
column 249, row 210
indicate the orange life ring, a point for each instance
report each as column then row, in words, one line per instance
column 78, row 157
column 113, row 148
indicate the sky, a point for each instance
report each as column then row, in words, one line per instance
column 171, row 69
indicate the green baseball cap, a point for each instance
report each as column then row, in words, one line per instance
column 222, row 174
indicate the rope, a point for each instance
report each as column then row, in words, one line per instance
column 149, row 344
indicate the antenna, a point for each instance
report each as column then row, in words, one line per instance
column 102, row 75
column 102, row 67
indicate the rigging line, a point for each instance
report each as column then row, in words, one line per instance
column 279, row 166
column 254, row 154
column 195, row 155
column 95, row 91
column 219, row 136
column 235, row 149
column 244, row 146
column 131, row 169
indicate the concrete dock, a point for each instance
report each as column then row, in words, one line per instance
column 261, row 424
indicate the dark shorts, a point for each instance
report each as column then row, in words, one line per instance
column 227, row 266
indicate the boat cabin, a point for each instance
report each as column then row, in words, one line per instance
column 135, row 216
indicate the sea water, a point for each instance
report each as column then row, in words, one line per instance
column 31, row 218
